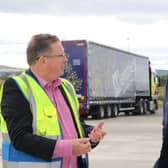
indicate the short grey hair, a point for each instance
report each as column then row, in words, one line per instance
column 39, row 44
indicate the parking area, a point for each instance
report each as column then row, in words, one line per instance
column 131, row 141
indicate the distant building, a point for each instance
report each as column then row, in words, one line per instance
column 162, row 72
column 6, row 71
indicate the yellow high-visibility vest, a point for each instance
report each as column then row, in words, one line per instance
column 45, row 118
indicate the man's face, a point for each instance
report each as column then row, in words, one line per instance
column 55, row 61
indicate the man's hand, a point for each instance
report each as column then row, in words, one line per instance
column 97, row 133
column 81, row 146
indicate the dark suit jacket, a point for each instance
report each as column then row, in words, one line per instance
column 17, row 114
column 163, row 160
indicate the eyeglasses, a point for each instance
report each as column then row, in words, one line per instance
column 55, row 56
column 58, row 56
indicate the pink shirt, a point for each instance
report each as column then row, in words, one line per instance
column 63, row 148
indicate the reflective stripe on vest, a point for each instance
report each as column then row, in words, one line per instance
column 18, row 159
column 7, row 164
column 3, row 127
column 44, row 112
column 71, row 90
column 71, row 95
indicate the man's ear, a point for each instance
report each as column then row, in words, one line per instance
column 42, row 60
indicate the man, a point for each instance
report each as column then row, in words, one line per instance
column 162, row 162
column 40, row 113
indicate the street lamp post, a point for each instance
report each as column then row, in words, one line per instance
column 128, row 44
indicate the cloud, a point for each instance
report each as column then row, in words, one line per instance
column 141, row 18
column 133, row 11
column 103, row 21
column 87, row 7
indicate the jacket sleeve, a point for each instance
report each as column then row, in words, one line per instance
column 18, row 117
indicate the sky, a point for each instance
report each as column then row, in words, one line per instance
column 138, row 26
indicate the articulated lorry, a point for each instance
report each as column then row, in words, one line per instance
column 109, row 81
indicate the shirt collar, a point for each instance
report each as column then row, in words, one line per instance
column 55, row 83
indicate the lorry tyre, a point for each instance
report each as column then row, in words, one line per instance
column 139, row 108
column 115, row 111
column 94, row 112
column 101, row 113
column 145, row 104
column 152, row 107
column 108, row 112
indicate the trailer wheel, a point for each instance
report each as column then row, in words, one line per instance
column 145, row 106
column 140, row 108
column 115, row 111
column 153, row 110
column 101, row 113
column 108, row 111
column 156, row 104
column 94, row 115
column 152, row 106
column 94, row 110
